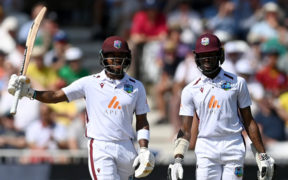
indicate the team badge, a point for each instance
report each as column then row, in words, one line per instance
column 238, row 171
column 117, row 44
column 226, row 86
column 128, row 88
column 205, row 41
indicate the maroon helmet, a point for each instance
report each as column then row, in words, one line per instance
column 208, row 43
column 115, row 44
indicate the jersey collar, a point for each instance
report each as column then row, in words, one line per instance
column 217, row 78
column 104, row 77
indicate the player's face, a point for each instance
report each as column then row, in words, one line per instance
column 208, row 61
column 115, row 63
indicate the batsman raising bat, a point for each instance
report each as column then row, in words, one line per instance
column 112, row 97
column 28, row 50
column 216, row 98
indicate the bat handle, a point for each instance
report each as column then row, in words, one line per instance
column 13, row 109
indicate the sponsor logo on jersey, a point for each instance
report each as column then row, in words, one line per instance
column 213, row 103
column 114, row 104
column 226, row 86
column 128, row 88
column 238, row 171
column 205, row 41
column 117, row 44
column 201, row 89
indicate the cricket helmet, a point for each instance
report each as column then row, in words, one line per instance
column 115, row 45
column 207, row 43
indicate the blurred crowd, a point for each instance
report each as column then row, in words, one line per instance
column 161, row 35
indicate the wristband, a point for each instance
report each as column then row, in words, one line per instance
column 143, row 134
column 34, row 95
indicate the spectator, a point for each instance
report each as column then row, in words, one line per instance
column 45, row 134
column 10, row 136
column 224, row 20
column 3, row 73
column 15, row 58
column 172, row 52
column 24, row 29
column 247, row 13
column 244, row 69
column 272, row 126
column 56, row 56
column 234, row 50
column 273, row 80
column 268, row 27
column 42, row 76
column 187, row 19
column 8, row 30
column 73, row 69
column 148, row 29
column 76, row 131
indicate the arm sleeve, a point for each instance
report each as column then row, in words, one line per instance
column 142, row 106
column 75, row 90
column 244, row 99
column 187, row 106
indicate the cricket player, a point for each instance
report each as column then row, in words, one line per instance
column 222, row 103
column 112, row 97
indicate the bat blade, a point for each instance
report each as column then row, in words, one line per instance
column 27, row 54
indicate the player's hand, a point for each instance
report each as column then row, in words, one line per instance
column 175, row 171
column 15, row 85
column 266, row 166
column 144, row 163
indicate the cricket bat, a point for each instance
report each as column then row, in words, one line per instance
column 27, row 54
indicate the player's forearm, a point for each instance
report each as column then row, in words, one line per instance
column 50, row 96
column 255, row 136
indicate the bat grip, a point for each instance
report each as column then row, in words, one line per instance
column 13, row 109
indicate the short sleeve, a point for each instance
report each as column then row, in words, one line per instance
column 75, row 90
column 142, row 106
column 187, row 105
column 244, row 99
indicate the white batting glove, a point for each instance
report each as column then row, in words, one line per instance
column 266, row 166
column 14, row 85
column 175, row 171
column 145, row 162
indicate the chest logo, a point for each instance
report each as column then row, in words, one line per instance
column 213, row 103
column 128, row 88
column 226, row 86
column 102, row 84
column 114, row 103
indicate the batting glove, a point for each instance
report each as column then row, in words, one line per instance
column 144, row 163
column 266, row 166
column 175, row 171
column 15, row 83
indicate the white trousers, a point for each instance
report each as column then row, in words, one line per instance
column 220, row 158
column 111, row 160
